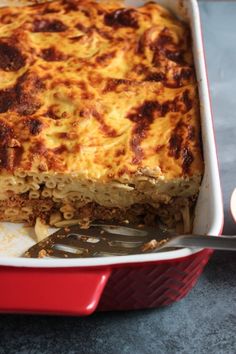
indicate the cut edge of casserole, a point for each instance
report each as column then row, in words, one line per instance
column 99, row 115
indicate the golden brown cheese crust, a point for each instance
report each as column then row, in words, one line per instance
column 97, row 90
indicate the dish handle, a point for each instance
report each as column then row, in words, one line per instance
column 69, row 291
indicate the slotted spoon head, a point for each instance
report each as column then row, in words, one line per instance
column 99, row 240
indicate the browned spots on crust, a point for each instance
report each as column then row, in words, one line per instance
column 48, row 26
column 164, row 39
column 86, row 13
column 6, row 133
column 176, row 140
column 76, row 148
column 87, row 95
column 191, row 133
column 38, row 148
column 182, row 104
column 187, row 100
column 6, row 100
column 8, row 18
column 74, row 5
column 175, row 144
column 70, row 5
column 14, row 143
column 67, row 83
column 51, row 113
column 104, row 34
column 157, row 45
column 75, row 38
column 52, row 156
column 90, row 30
column 123, row 171
column 163, row 46
column 83, row 113
column 82, row 85
column 60, row 149
column 21, row 96
column 140, row 69
column 25, row 106
column 81, row 27
column 28, row 127
column 176, row 56
column 67, row 135
column 187, row 159
column 137, row 150
column 141, row 45
column 159, row 148
column 34, row 125
column 52, row 54
column 143, row 116
column 11, row 58
column 121, row 18
column 179, row 78
column 26, row 79
column 104, row 58
column 113, row 83
column 174, row 78
column 106, row 129
column 18, row 152
column 120, row 152
column 10, row 158
column 45, row 8
column 43, row 166
column 39, row 7
column 186, row 73
column 4, row 157
column 62, row 135
column 27, row 86
column 157, row 77
column 100, row 12
column 49, row 10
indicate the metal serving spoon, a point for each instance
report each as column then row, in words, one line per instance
column 102, row 240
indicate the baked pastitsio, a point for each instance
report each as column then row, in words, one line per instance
column 99, row 114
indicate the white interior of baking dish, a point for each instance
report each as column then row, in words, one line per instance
column 15, row 239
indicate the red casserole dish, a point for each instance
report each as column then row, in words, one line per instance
column 81, row 286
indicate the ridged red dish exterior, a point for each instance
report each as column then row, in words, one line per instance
column 152, row 285
column 81, row 291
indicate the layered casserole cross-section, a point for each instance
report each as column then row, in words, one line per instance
column 99, row 114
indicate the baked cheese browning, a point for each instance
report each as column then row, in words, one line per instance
column 95, row 95
column 114, row 78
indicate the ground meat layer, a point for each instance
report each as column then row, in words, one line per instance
column 22, row 209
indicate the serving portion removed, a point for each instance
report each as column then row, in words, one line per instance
column 99, row 115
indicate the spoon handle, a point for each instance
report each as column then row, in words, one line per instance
column 227, row 243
